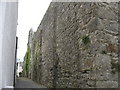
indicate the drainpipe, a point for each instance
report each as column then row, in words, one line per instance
column 15, row 62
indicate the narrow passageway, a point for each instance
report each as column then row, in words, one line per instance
column 26, row 83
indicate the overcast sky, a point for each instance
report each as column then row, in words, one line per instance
column 30, row 14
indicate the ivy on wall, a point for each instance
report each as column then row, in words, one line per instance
column 35, row 63
column 28, row 60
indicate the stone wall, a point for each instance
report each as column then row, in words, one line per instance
column 76, row 45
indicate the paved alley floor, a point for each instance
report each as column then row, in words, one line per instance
column 27, row 83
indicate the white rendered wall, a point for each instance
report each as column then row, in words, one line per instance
column 19, row 69
column 2, row 15
column 8, row 27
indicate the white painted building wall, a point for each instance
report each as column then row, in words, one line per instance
column 19, row 68
column 8, row 27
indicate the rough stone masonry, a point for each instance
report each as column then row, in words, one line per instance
column 76, row 46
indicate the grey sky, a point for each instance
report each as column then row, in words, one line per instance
column 30, row 14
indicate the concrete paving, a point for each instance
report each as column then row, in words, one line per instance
column 27, row 83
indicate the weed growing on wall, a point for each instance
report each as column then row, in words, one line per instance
column 104, row 52
column 115, row 67
column 86, row 39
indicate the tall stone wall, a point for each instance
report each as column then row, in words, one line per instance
column 76, row 45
